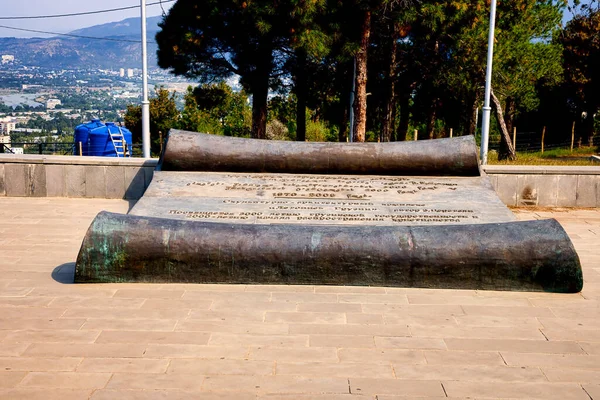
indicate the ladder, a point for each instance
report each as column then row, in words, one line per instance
column 118, row 141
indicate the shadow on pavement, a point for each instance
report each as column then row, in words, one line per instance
column 132, row 204
column 64, row 273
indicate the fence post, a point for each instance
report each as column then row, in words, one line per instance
column 40, row 148
column 543, row 134
column 572, row 136
column 416, row 134
column 515, row 137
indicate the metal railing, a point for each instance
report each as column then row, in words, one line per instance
column 531, row 142
column 526, row 142
column 61, row 148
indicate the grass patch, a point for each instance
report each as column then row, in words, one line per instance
column 579, row 156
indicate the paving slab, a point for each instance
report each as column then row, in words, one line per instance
column 64, row 341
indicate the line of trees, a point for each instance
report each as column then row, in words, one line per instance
column 409, row 64
column 217, row 109
column 208, row 108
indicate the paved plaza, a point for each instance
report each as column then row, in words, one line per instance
column 64, row 341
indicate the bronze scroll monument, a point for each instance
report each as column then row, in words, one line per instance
column 412, row 214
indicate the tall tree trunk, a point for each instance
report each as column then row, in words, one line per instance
column 404, row 117
column 431, row 120
column 507, row 150
column 259, row 111
column 473, row 118
column 587, row 126
column 509, row 115
column 390, row 104
column 360, row 102
column 260, row 91
column 301, row 96
column 343, row 126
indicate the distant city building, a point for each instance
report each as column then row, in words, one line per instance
column 126, row 95
column 122, row 72
column 8, row 58
column 40, row 139
column 4, row 142
column 130, row 73
column 52, row 103
column 27, row 130
column 7, row 126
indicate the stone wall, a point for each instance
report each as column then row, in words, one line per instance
column 73, row 176
column 546, row 186
column 127, row 178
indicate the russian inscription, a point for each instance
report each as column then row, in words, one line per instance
column 320, row 199
column 297, row 211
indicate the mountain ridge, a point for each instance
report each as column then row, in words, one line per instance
column 126, row 27
column 62, row 52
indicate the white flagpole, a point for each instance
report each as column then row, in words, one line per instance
column 485, row 120
column 145, row 102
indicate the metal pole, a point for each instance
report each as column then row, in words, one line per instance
column 352, row 103
column 485, row 120
column 145, row 102
column 572, row 136
column 515, row 137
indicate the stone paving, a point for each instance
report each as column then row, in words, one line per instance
column 183, row 341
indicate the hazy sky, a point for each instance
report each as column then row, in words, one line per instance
column 11, row 8
column 62, row 25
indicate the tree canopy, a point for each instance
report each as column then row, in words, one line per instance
column 581, row 51
column 419, row 66
column 215, row 39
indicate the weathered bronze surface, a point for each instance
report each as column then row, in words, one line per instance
column 504, row 256
column 226, row 210
column 190, row 151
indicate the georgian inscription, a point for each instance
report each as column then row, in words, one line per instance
column 324, row 187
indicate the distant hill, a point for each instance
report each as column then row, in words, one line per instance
column 130, row 27
column 67, row 52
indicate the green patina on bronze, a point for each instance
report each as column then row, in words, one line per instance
column 261, row 254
